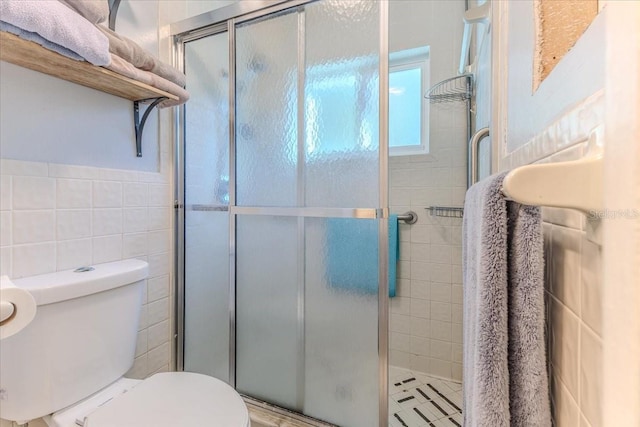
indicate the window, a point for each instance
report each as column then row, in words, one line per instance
column 338, row 117
column 336, row 122
column 408, row 109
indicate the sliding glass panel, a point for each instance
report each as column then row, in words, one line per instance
column 341, row 321
column 206, row 346
column 267, row 315
column 307, row 286
column 341, row 103
column 266, row 111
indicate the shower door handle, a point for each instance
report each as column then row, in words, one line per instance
column 472, row 163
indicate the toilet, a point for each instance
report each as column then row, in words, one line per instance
column 67, row 365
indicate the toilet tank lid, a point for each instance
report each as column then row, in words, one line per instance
column 65, row 285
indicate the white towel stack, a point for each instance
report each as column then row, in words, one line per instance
column 74, row 28
column 60, row 25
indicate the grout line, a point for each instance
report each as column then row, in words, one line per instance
column 423, row 394
column 439, row 408
column 454, row 422
column 423, row 416
column 400, row 419
column 445, row 398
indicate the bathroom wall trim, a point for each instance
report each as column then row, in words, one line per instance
column 621, row 257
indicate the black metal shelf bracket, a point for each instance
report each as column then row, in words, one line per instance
column 113, row 13
column 139, row 123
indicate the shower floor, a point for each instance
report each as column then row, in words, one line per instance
column 418, row 400
column 415, row 400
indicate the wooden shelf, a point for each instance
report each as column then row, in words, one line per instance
column 35, row 57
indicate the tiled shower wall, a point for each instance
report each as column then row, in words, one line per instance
column 57, row 217
column 426, row 314
column 573, row 278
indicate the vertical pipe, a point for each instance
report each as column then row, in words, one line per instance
column 300, row 360
column 383, row 229
column 470, row 82
column 474, row 143
column 231, row 31
column 469, row 132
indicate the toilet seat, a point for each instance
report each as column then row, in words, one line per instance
column 174, row 399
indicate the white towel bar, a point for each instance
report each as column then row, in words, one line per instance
column 575, row 185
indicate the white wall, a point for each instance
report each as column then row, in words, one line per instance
column 621, row 260
column 50, row 120
column 426, row 316
column 578, row 75
column 74, row 193
column 56, row 217
column 553, row 125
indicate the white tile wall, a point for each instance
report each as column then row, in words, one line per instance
column 426, row 328
column 33, row 192
column 426, row 316
column 72, row 253
column 73, row 194
column 572, row 278
column 107, row 194
column 57, row 217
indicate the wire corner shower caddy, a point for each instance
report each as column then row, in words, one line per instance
column 458, row 88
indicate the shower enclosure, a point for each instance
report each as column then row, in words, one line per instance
column 282, row 175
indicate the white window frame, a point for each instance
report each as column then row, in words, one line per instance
column 411, row 59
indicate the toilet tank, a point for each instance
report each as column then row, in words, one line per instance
column 82, row 338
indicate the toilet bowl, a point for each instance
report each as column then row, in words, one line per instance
column 67, row 365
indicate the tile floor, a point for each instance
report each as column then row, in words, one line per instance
column 419, row 400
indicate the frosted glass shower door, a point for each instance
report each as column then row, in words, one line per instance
column 267, row 327
column 307, row 165
column 206, row 189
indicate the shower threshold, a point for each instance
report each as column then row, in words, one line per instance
column 263, row 414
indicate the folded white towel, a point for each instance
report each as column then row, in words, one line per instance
column 127, row 69
column 131, row 52
column 36, row 38
column 57, row 23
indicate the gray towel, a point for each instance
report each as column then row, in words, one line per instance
column 505, row 377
